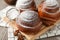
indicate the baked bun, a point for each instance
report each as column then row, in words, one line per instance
column 25, row 5
column 29, row 22
column 49, row 12
column 11, row 2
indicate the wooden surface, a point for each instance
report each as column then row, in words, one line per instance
column 30, row 37
column 3, row 33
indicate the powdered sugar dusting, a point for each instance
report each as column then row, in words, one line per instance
column 28, row 17
column 23, row 4
column 51, row 2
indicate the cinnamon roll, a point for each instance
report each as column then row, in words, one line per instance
column 29, row 22
column 49, row 12
column 25, row 5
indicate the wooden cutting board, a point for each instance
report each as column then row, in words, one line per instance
column 31, row 37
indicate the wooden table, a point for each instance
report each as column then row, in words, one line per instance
column 3, row 33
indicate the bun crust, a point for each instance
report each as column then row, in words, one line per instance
column 11, row 2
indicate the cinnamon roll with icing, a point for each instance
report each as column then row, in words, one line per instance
column 29, row 22
column 25, row 5
column 49, row 12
